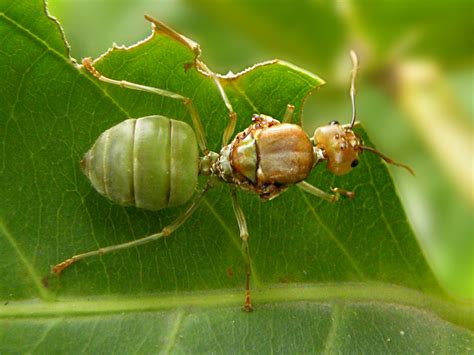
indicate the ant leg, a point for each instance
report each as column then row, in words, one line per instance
column 337, row 192
column 307, row 187
column 165, row 232
column 229, row 130
column 160, row 27
column 288, row 116
column 244, row 235
column 197, row 123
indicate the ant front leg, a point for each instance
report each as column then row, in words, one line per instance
column 338, row 192
column 197, row 123
column 335, row 196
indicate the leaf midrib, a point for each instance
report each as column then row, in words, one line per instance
column 368, row 292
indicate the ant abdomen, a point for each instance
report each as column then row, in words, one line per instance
column 150, row 162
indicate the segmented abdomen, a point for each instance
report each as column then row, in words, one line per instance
column 150, row 162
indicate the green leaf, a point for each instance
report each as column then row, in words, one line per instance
column 342, row 277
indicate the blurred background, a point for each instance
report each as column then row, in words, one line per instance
column 414, row 89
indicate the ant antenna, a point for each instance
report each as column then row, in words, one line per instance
column 355, row 67
column 387, row 159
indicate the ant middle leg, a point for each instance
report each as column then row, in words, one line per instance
column 160, row 27
column 230, row 128
column 289, row 113
column 244, row 236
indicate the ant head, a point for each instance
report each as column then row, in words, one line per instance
column 339, row 144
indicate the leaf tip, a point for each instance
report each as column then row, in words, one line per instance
column 317, row 80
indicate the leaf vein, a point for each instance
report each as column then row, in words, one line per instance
column 331, row 338
column 45, row 334
column 333, row 238
column 171, row 338
column 235, row 240
column 387, row 223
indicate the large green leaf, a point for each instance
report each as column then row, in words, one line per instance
column 343, row 277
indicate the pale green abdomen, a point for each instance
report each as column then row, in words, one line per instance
column 150, row 162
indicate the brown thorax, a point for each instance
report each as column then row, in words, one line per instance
column 266, row 157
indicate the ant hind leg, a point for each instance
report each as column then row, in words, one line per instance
column 197, row 123
column 165, row 232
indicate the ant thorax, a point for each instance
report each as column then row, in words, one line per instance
column 266, row 157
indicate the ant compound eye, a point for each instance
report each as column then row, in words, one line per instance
column 333, row 122
column 354, row 163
